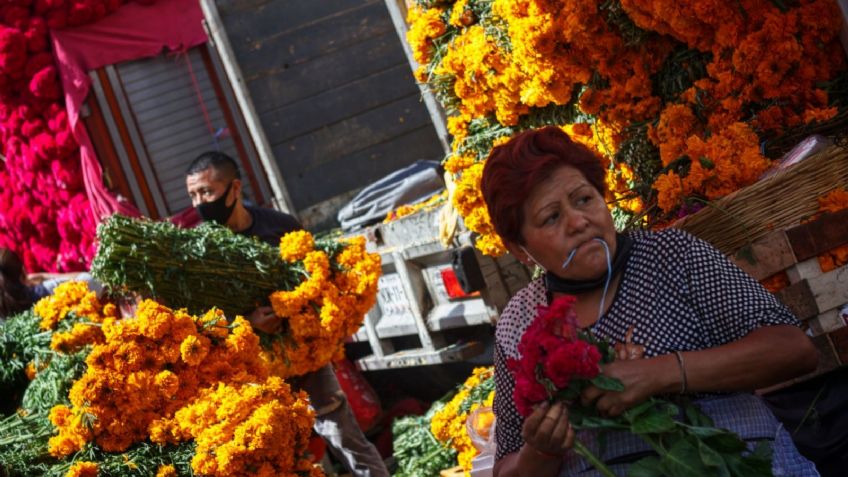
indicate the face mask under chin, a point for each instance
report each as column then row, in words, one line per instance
column 217, row 210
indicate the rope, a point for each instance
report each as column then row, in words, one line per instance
column 215, row 134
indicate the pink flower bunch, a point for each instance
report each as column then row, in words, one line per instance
column 554, row 357
column 45, row 215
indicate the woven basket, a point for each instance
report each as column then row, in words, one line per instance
column 777, row 202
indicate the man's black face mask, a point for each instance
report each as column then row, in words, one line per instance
column 217, row 210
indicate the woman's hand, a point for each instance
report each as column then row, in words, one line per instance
column 547, row 430
column 633, row 371
column 628, row 349
column 637, row 376
column 547, row 437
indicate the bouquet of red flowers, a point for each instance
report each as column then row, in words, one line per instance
column 559, row 360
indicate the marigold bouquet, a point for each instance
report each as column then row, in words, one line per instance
column 676, row 96
column 339, row 287
column 56, row 328
column 558, row 361
column 321, row 288
column 164, row 393
column 449, row 423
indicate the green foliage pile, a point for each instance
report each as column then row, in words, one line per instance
column 189, row 268
column 25, row 432
column 418, row 453
column 21, row 342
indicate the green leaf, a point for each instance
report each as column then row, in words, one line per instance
column 653, row 416
column 634, row 412
column 607, row 383
column 683, row 460
column 594, row 422
column 694, row 415
column 726, row 442
column 652, row 422
column 713, row 459
column 646, row 467
column 755, row 464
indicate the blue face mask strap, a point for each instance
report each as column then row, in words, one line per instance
column 609, row 275
column 568, row 260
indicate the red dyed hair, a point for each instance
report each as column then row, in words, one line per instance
column 515, row 168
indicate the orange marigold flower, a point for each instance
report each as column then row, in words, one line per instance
column 30, row 371
column 820, row 114
column 295, row 245
column 83, row 469
column 166, row 471
column 194, row 349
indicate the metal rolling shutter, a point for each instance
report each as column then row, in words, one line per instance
column 164, row 102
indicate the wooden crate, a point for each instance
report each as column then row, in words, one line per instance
column 763, row 229
column 815, row 297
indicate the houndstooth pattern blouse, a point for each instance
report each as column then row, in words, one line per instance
column 678, row 293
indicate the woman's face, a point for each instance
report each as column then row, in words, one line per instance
column 565, row 213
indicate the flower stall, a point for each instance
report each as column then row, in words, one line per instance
column 180, row 389
column 685, row 101
column 52, row 193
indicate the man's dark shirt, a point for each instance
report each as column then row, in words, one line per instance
column 269, row 225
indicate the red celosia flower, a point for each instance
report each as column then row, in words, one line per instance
column 553, row 356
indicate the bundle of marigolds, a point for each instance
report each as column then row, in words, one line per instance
column 449, row 423
column 558, row 361
column 188, row 268
column 417, row 452
column 676, row 96
column 57, row 327
column 322, row 289
column 166, row 393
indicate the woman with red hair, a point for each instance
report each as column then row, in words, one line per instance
column 698, row 324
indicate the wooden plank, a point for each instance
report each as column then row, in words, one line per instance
column 249, row 20
column 799, row 299
column 274, row 86
column 826, row 322
column 766, row 256
column 350, row 135
column 339, row 103
column 320, row 183
column 803, row 270
column 839, row 339
column 813, row 238
column 830, row 290
column 325, row 36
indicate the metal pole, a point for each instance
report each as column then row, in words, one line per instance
column 437, row 114
column 215, row 29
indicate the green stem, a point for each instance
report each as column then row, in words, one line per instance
column 592, row 458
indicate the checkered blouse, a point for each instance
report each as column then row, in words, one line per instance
column 678, row 293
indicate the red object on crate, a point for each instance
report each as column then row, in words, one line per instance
column 362, row 398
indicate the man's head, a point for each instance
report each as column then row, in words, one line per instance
column 213, row 182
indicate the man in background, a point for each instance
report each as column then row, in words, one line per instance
column 214, row 185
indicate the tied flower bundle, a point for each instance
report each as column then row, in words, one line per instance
column 558, row 361
column 339, row 285
column 42, row 343
column 321, row 288
column 163, row 393
column 449, row 423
